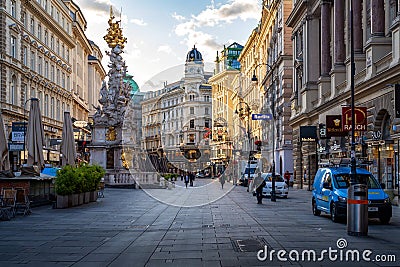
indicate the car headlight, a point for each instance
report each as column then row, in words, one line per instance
column 342, row 199
column 387, row 200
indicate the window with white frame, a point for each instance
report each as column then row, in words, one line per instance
column 52, row 108
column 46, row 105
column 13, row 9
column 46, row 69
column 13, row 90
column 63, row 80
column 46, row 38
column 13, row 47
column 191, row 110
column 33, row 61
column 40, row 66
column 39, row 32
column 52, row 74
column 52, row 42
column 32, row 26
column 23, row 19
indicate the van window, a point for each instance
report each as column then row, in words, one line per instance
column 328, row 179
column 343, row 180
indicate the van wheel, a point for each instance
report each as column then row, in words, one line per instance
column 334, row 216
column 384, row 219
column 315, row 210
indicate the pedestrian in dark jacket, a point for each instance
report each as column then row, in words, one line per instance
column 186, row 179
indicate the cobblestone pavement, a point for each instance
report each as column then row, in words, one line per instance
column 129, row 228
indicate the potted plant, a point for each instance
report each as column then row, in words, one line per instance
column 64, row 186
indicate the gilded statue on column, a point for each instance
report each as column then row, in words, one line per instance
column 114, row 35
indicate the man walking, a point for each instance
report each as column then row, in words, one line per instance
column 258, row 185
column 186, row 179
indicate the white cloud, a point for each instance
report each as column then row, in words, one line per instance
column 178, row 17
column 138, row 22
column 213, row 16
column 164, row 49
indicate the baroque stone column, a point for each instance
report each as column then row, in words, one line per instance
column 326, row 61
column 340, row 53
column 378, row 18
column 357, row 26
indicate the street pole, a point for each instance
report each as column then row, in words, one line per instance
column 357, row 202
column 248, row 136
column 273, row 193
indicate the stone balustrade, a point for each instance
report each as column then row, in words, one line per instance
column 132, row 178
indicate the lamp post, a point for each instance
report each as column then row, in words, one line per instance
column 255, row 81
column 243, row 110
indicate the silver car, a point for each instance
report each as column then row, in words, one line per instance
column 281, row 188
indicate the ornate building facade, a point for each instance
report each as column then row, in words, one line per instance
column 227, row 67
column 44, row 55
column 321, row 84
column 176, row 119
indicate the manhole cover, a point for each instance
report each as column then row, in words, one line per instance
column 248, row 245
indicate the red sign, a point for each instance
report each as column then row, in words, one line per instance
column 360, row 116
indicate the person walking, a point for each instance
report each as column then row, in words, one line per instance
column 287, row 177
column 258, row 185
column 222, row 180
column 191, row 178
column 186, row 179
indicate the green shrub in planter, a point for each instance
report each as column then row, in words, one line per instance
column 65, row 181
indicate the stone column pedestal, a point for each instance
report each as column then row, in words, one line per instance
column 338, row 76
column 376, row 48
column 324, row 89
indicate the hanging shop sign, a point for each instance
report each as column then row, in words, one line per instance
column 360, row 116
column 308, row 133
column 334, row 126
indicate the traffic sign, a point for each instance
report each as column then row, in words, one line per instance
column 265, row 117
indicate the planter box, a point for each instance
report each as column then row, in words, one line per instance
column 73, row 200
column 93, row 196
column 86, row 198
column 81, row 197
column 62, row 202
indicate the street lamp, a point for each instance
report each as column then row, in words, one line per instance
column 255, row 81
column 243, row 110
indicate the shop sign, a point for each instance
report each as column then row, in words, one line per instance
column 334, row 126
column 360, row 116
column 308, row 133
column 15, row 147
column 80, row 124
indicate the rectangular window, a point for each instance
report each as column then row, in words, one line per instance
column 46, row 69
column 52, row 108
column 13, row 51
column 52, row 74
column 206, row 111
column 23, row 19
column 46, row 105
column 32, row 26
column 191, row 110
column 58, row 76
column 46, row 38
column 191, row 124
column 45, row 5
column 58, row 47
column 207, row 123
column 52, row 42
column 58, row 110
column 13, row 8
column 63, row 80
column 39, row 32
column 33, row 61
column 40, row 66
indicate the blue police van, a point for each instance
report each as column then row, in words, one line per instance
column 329, row 193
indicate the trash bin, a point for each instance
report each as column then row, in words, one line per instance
column 357, row 210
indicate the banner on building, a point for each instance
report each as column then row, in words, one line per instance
column 360, row 116
column 308, row 133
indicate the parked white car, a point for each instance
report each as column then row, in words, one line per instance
column 281, row 188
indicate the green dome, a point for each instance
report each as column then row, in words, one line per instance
column 129, row 79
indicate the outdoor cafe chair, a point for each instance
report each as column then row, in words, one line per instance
column 9, row 200
column 5, row 211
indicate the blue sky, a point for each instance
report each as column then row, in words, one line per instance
column 161, row 32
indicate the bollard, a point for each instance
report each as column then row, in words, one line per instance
column 357, row 210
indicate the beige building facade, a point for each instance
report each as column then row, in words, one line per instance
column 39, row 48
column 321, row 84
